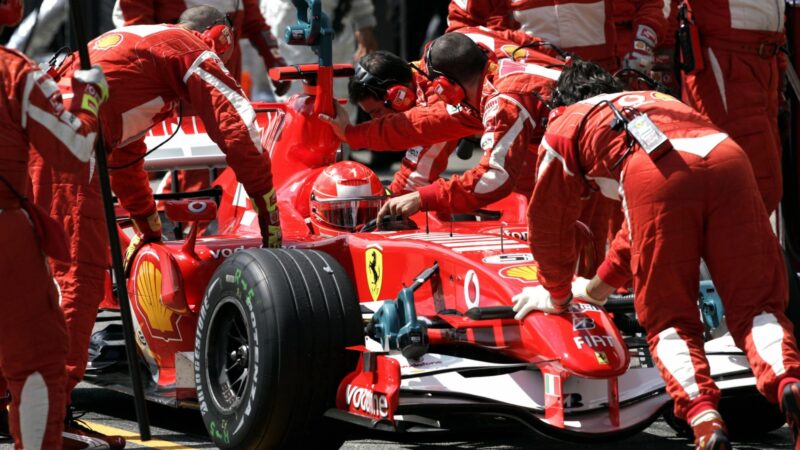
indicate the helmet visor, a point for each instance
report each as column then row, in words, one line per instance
column 347, row 213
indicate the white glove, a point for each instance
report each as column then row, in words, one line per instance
column 642, row 56
column 536, row 298
column 579, row 290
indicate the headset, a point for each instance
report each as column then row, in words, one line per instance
column 649, row 81
column 395, row 95
column 448, row 89
column 220, row 35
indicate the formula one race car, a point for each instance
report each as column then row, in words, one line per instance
column 397, row 326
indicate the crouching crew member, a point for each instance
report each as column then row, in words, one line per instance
column 688, row 192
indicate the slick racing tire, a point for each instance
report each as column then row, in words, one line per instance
column 270, row 348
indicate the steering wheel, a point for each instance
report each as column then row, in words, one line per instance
column 389, row 223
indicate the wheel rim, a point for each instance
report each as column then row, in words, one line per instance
column 227, row 355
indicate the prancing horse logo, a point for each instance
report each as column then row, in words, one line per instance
column 374, row 265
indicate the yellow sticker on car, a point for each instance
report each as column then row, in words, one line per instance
column 373, row 259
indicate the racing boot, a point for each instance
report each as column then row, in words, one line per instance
column 78, row 436
column 790, row 405
column 710, row 432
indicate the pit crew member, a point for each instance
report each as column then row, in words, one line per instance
column 474, row 87
column 640, row 26
column 584, row 28
column 687, row 194
column 150, row 70
column 33, row 337
column 385, row 84
column 736, row 85
column 246, row 21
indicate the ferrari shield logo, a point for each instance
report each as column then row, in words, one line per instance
column 602, row 358
column 374, row 265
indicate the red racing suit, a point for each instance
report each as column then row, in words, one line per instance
column 33, row 337
column 738, row 88
column 582, row 27
column 689, row 204
column 150, row 69
column 494, row 14
column 629, row 15
column 244, row 14
column 422, row 165
column 512, row 120
column 500, row 172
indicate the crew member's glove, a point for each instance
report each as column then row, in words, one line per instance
column 269, row 220
column 148, row 229
column 642, row 56
column 273, row 58
column 537, row 298
column 579, row 290
column 90, row 88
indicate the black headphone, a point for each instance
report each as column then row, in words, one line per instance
column 395, row 95
column 650, row 82
column 618, row 123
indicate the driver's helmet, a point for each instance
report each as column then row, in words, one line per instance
column 345, row 196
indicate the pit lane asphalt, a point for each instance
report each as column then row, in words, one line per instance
column 172, row 429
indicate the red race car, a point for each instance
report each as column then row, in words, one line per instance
column 404, row 325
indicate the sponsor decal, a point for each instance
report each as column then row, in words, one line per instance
column 373, row 259
column 197, row 207
column 508, row 258
column 472, row 290
column 662, row 96
column 593, row 341
column 521, row 235
column 509, row 49
column 582, row 323
column 225, row 252
column 582, row 307
column 550, row 382
column 602, row 358
column 453, row 109
column 161, row 321
column 487, row 141
column 108, row 41
column 412, row 154
column 526, row 273
column 367, row 401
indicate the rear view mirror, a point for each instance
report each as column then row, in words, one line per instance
column 191, row 210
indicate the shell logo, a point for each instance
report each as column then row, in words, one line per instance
column 161, row 321
column 509, row 50
column 108, row 41
column 525, row 273
column 662, row 96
